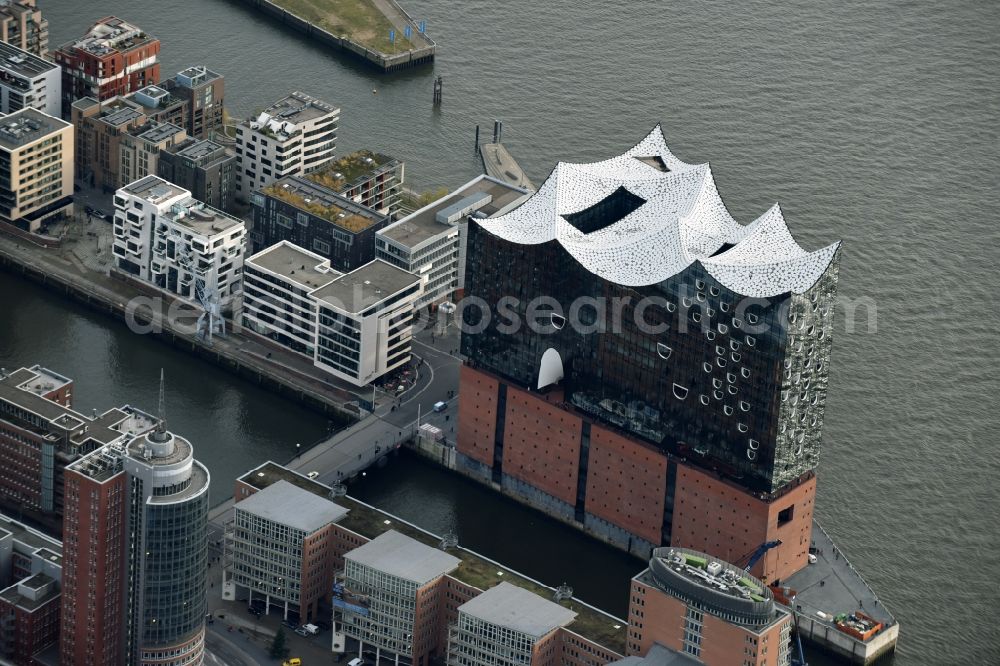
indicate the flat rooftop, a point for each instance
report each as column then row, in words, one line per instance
column 398, row 555
column 118, row 113
column 11, row 391
column 195, row 76
column 287, row 504
column 21, row 63
column 31, row 539
column 198, row 150
column 271, row 472
column 154, row 189
column 353, row 167
column 202, row 218
column 109, row 35
column 515, row 608
column 832, row 585
column 659, row 655
column 422, row 225
column 319, row 200
column 298, row 107
column 294, row 264
column 156, row 132
column 13, row 594
column 365, row 286
column 25, row 126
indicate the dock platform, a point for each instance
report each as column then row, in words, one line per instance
column 499, row 164
column 830, row 587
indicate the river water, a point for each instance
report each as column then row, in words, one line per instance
column 870, row 121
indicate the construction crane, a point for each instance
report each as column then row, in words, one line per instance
column 755, row 555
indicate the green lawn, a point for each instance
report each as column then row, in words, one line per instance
column 358, row 20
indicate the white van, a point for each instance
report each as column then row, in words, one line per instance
column 440, row 406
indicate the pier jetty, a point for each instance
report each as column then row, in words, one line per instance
column 379, row 32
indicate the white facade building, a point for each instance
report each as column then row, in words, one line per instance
column 293, row 136
column 165, row 237
column 357, row 326
column 27, row 81
column 430, row 241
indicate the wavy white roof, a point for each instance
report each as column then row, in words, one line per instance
column 682, row 221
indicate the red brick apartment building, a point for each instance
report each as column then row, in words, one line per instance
column 113, row 58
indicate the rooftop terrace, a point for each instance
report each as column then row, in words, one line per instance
column 321, row 201
column 108, row 35
column 357, row 166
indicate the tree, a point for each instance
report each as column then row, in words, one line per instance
column 279, row 650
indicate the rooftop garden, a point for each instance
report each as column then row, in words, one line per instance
column 360, row 21
column 484, row 574
column 350, row 167
column 350, row 221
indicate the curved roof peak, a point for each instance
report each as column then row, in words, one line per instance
column 683, row 220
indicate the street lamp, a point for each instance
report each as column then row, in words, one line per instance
column 298, row 449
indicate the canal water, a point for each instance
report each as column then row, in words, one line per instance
column 872, row 121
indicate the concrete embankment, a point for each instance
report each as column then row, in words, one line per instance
column 422, row 53
column 152, row 312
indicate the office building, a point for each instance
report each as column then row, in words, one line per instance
column 507, row 626
column 203, row 167
column 168, row 239
column 280, row 549
column 113, row 58
column 139, row 149
column 294, row 136
column 313, row 216
column 135, row 554
column 203, row 92
column 36, row 169
column 356, row 326
column 371, row 179
column 702, row 606
column 667, row 380
column 27, row 81
column 431, row 241
column 402, row 581
column 22, row 25
column 30, row 575
column 40, row 433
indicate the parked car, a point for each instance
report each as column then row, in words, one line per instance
column 301, row 631
column 440, row 406
column 290, row 624
column 312, row 475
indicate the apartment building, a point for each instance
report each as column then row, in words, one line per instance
column 431, row 241
column 113, row 58
column 508, row 626
column 309, row 214
column 699, row 605
column 357, row 326
column 295, row 135
column 159, row 104
column 203, row 92
column 166, row 238
column 279, row 549
column 139, row 149
column 30, row 575
column 99, row 128
column 365, row 177
column 22, row 25
column 36, row 169
column 203, row 167
column 27, row 80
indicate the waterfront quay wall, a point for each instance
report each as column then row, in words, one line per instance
column 112, row 299
column 387, row 62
